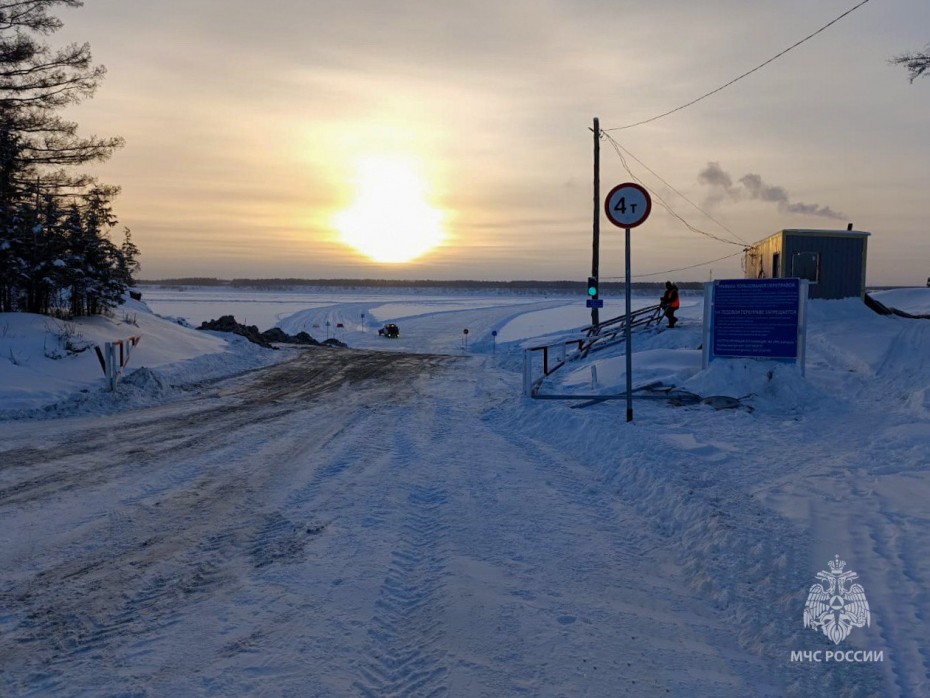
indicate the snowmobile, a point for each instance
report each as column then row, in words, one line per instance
column 390, row 330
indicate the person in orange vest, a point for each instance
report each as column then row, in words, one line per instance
column 669, row 302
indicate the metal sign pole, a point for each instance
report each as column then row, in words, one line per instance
column 629, row 335
column 627, row 206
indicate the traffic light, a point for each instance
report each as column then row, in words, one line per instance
column 592, row 286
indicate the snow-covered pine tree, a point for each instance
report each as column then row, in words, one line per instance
column 38, row 153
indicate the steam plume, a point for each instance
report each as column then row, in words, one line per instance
column 751, row 186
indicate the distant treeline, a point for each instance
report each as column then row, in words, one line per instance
column 463, row 284
column 614, row 288
column 186, row 281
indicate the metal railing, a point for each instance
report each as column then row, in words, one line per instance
column 114, row 357
column 559, row 354
column 611, row 332
column 597, row 337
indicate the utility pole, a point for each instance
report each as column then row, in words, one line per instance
column 595, row 257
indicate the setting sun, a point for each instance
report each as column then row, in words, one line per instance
column 391, row 220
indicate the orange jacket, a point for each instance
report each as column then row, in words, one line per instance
column 670, row 298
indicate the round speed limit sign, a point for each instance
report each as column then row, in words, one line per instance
column 627, row 205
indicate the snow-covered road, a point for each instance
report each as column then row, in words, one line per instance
column 342, row 524
column 380, row 523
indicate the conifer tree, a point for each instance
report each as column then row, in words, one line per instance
column 39, row 151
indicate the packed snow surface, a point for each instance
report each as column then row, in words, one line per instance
column 398, row 519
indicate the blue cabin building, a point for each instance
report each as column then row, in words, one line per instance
column 833, row 261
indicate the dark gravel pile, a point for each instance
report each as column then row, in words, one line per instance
column 227, row 323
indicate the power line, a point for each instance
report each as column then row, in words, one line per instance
column 671, row 271
column 747, row 73
column 657, row 176
column 665, row 204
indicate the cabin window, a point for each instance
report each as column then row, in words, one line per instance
column 806, row 265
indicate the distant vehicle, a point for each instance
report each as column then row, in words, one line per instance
column 339, row 324
column 390, row 330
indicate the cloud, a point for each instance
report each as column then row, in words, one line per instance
column 752, row 187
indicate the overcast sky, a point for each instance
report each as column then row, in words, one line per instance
column 245, row 122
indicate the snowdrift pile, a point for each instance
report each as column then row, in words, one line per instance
column 48, row 367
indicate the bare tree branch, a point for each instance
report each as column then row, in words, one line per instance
column 916, row 62
column 32, row 15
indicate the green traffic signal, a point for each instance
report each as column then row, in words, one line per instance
column 592, row 286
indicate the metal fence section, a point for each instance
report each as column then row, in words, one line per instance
column 542, row 361
column 539, row 362
column 612, row 332
column 114, row 357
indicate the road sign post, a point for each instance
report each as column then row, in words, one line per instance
column 627, row 206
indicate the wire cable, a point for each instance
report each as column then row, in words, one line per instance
column 665, row 204
column 747, row 73
column 657, row 176
column 670, row 271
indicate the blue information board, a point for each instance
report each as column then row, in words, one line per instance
column 757, row 318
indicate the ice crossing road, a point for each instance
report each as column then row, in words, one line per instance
column 347, row 523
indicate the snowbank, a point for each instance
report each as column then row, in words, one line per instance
column 774, row 385
column 911, row 300
column 49, row 367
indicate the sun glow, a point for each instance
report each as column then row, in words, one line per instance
column 390, row 220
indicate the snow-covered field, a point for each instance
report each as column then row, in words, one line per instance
column 396, row 519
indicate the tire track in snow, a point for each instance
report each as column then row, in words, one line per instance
column 180, row 535
column 908, row 665
column 171, row 565
column 544, row 556
column 267, row 396
column 404, row 656
column 348, row 452
column 893, row 584
column 732, row 552
column 838, row 492
column 581, row 489
column 87, row 610
column 633, row 542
